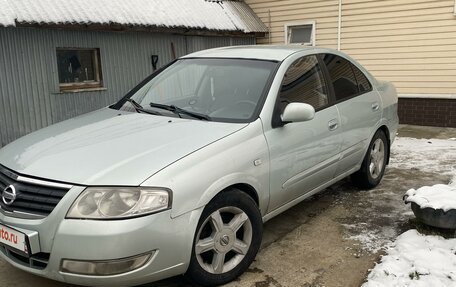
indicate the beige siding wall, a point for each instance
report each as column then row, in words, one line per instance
column 409, row 42
column 325, row 12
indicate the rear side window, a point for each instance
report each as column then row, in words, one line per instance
column 304, row 83
column 363, row 83
column 342, row 77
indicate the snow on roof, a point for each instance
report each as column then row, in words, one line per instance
column 6, row 14
column 227, row 15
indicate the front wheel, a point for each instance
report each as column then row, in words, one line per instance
column 373, row 167
column 227, row 239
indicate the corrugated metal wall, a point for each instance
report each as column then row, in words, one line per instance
column 29, row 88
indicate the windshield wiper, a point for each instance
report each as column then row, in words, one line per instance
column 178, row 111
column 140, row 109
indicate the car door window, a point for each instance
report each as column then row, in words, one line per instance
column 342, row 77
column 304, row 83
column 363, row 83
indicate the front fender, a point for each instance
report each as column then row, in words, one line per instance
column 198, row 177
column 230, row 180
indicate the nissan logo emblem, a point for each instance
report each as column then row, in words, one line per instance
column 9, row 195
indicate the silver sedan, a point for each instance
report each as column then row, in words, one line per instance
column 180, row 174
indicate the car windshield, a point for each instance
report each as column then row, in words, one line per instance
column 206, row 89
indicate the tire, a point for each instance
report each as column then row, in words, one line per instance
column 215, row 241
column 373, row 167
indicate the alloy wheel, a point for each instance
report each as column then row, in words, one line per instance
column 223, row 240
column 377, row 158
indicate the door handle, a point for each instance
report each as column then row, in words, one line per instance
column 333, row 125
column 375, row 106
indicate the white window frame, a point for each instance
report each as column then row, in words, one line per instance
column 301, row 23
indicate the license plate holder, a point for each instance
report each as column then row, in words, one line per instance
column 14, row 239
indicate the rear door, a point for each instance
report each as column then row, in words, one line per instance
column 303, row 155
column 359, row 107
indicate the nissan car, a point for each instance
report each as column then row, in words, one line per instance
column 180, row 174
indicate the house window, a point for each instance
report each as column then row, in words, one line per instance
column 79, row 69
column 300, row 33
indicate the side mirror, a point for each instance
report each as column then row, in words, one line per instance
column 298, row 112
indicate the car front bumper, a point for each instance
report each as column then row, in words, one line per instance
column 55, row 238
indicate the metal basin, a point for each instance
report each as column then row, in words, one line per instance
column 435, row 217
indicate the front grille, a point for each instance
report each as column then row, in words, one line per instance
column 35, row 197
column 36, row 261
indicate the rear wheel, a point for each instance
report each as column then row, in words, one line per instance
column 227, row 239
column 373, row 167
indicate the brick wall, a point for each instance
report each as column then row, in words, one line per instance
column 427, row 112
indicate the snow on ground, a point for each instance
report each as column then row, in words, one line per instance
column 439, row 196
column 376, row 228
column 372, row 240
column 416, row 260
column 429, row 155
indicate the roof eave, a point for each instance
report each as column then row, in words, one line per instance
column 138, row 28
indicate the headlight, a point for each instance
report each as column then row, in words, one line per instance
column 119, row 202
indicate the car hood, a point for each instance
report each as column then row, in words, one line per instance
column 110, row 147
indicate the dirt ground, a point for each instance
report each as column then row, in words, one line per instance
column 331, row 239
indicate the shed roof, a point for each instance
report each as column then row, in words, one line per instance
column 226, row 15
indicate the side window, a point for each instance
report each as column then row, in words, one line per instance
column 342, row 77
column 304, row 82
column 363, row 83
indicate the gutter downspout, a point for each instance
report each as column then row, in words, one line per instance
column 339, row 26
column 269, row 20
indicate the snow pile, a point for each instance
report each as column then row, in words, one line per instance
column 416, row 260
column 439, row 196
column 428, row 155
column 196, row 14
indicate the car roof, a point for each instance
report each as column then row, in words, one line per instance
column 263, row 52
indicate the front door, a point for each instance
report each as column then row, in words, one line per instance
column 303, row 155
